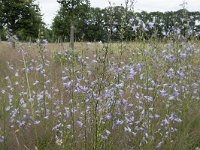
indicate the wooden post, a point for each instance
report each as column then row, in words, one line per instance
column 71, row 44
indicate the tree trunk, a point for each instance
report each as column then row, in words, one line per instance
column 13, row 44
column 0, row 36
column 13, row 41
column 71, row 44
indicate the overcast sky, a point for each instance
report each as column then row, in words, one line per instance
column 49, row 8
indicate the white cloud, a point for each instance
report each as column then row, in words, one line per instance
column 49, row 8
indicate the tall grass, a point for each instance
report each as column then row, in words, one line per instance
column 146, row 97
column 142, row 95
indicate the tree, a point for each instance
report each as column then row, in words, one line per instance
column 21, row 18
column 94, row 29
column 1, row 18
column 74, row 9
column 117, row 24
column 61, row 25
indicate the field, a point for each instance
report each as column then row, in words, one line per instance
column 135, row 95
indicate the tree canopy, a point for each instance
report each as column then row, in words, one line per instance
column 77, row 21
column 99, row 22
column 21, row 18
column 74, row 10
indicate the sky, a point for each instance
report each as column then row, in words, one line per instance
column 49, row 8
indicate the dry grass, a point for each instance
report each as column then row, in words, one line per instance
column 188, row 136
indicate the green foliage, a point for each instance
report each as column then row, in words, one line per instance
column 21, row 18
column 61, row 25
column 45, row 143
column 96, row 25
column 66, row 57
column 1, row 19
column 76, row 10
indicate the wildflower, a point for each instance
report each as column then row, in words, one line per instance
column 132, row 74
column 171, row 58
column 149, row 98
column 10, row 97
column 83, row 88
column 181, row 74
column 141, row 76
column 94, row 61
column 59, row 142
column 31, row 99
column 80, row 124
column 7, row 108
column 130, row 105
column 137, row 128
column 197, row 22
column 171, row 97
column 131, row 20
column 107, row 132
column 165, row 121
column 69, row 126
column 22, row 123
column 15, row 37
column 14, row 113
column 177, row 120
column 119, row 122
column 119, row 86
column 44, row 42
column 190, row 32
column 151, row 25
column 176, row 92
column 17, row 83
column 67, row 84
column 145, row 51
column 144, row 27
column 135, row 28
column 56, row 90
column 100, row 42
column 40, row 96
column 2, row 139
column 103, row 137
column 164, row 33
column 139, row 20
column 108, row 116
column 157, row 116
column 159, row 144
column 139, row 66
column 127, row 129
column 163, row 93
column 17, row 74
column 183, row 56
column 3, row 91
column 48, row 81
column 108, row 93
column 153, row 83
column 121, row 92
column 7, row 78
column 48, row 95
column 37, row 41
column 65, row 78
column 37, row 122
column 125, row 102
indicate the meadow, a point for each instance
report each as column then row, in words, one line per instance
column 125, row 95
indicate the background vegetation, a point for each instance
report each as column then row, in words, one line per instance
column 137, row 89
column 23, row 19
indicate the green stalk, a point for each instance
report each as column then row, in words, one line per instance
column 29, row 94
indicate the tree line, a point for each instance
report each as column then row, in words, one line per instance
column 21, row 18
column 77, row 19
column 112, row 23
